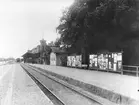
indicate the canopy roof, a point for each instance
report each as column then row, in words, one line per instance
column 32, row 55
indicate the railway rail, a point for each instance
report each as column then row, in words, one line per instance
column 46, row 91
column 56, row 99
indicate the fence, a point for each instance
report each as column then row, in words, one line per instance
column 131, row 69
column 126, row 69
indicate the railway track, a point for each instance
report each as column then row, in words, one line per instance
column 81, row 99
column 46, row 91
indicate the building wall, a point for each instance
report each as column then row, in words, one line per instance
column 61, row 59
column 53, row 59
column 58, row 60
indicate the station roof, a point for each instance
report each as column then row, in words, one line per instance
column 33, row 55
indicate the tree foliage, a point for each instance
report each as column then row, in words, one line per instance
column 101, row 24
column 57, row 42
column 51, row 43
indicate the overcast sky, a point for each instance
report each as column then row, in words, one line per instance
column 23, row 22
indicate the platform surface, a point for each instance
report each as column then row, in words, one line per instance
column 121, row 84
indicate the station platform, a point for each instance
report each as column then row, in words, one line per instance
column 120, row 84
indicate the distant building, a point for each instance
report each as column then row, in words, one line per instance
column 39, row 54
column 45, row 54
column 36, row 49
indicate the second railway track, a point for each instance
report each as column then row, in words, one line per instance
column 68, row 96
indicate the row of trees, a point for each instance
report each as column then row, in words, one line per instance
column 93, row 25
column 7, row 59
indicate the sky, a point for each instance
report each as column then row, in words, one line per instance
column 23, row 23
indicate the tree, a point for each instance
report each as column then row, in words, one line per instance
column 104, row 24
column 51, row 43
column 57, row 42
